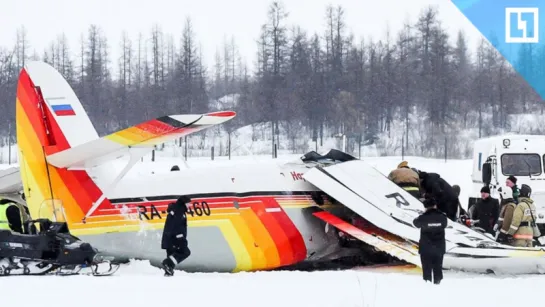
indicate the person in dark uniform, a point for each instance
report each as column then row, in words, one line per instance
column 174, row 239
column 432, row 245
column 438, row 188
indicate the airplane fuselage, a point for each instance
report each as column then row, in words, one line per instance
column 242, row 218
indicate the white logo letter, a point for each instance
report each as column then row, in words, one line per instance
column 521, row 25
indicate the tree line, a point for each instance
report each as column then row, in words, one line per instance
column 302, row 81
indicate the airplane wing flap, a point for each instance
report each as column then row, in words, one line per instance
column 396, row 249
column 10, row 181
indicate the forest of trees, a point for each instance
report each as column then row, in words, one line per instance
column 320, row 81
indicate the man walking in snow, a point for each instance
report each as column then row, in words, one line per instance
column 432, row 245
column 174, row 239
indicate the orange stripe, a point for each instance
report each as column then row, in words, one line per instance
column 263, row 240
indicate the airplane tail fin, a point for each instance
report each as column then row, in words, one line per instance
column 55, row 107
column 58, row 144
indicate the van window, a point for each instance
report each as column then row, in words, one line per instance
column 521, row 164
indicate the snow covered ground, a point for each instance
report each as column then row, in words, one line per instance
column 139, row 284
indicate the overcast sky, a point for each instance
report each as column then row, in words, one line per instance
column 213, row 19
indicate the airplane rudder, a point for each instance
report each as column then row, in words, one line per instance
column 69, row 122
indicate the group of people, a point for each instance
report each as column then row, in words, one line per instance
column 511, row 222
column 425, row 186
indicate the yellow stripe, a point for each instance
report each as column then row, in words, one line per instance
column 119, row 139
column 34, row 171
column 246, row 235
column 134, row 135
column 527, row 253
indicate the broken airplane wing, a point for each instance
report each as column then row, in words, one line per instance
column 371, row 195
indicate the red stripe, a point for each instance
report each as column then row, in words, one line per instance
column 89, row 187
column 65, row 112
column 296, row 241
column 222, row 114
column 213, row 202
column 276, row 232
column 155, row 127
column 29, row 102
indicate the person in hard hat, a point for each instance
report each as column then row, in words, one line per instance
column 522, row 226
column 174, row 239
column 432, row 243
column 13, row 216
column 406, row 178
column 508, row 206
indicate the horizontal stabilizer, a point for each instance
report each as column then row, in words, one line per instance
column 397, row 249
column 143, row 136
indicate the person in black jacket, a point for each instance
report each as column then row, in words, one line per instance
column 432, row 245
column 457, row 190
column 436, row 187
column 174, row 239
column 486, row 211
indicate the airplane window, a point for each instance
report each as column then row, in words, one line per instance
column 521, row 164
column 235, row 203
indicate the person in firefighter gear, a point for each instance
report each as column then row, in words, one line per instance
column 522, row 228
column 507, row 208
column 13, row 216
column 406, row 178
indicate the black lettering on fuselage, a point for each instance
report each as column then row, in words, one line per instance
column 142, row 211
column 154, row 212
column 400, row 200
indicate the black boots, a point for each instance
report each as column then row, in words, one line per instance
column 168, row 267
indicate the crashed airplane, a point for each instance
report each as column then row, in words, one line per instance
column 242, row 218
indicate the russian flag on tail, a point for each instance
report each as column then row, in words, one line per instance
column 63, row 110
